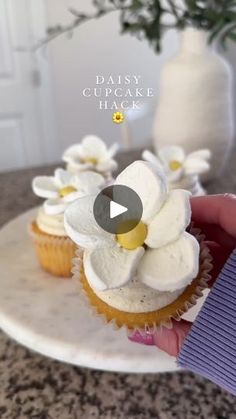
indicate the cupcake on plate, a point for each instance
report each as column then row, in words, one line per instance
column 54, row 248
column 182, row 171
column 91, row 154
column 145, row 277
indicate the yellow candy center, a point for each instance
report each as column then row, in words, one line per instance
column 91, row 160
column 66, row 191
column 175, row 165
column 134, row 238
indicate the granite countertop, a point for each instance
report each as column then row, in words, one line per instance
column 33, row 386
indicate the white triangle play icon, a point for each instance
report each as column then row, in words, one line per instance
column 116, row 209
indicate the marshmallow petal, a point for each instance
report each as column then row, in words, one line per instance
column 93, row 146
column 111, row 268
column 87, row 181
column 45, row 187
column 106, row 165
column 62, row 177
column 171, row 267
column 72, row 154
column 75, row 167
column 175, row 175
column 203, row 154
column 54, row 206
column 172, row 152
column 195, row 166
column 82, row 227
column 148, row 182
column 151, row 158
column 113, row 150
column 171, row 221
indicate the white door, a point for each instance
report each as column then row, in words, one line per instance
column 27, row 135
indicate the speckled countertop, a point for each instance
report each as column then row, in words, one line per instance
column 33, row 386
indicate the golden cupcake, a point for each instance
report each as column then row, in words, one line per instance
column 54, row 248
column 142, row 278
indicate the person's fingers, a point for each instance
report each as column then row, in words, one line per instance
column 216, row 209
column 220, row 255
column 171, row 340
column 216, row 234
column 168, row 340
column 143, row 338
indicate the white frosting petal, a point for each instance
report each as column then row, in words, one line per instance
column 195, row 166
column 111, row 267
column 172, row 152
column 203, row 154
column 45, row 187
column 171, row 221
column 171, row 267
column 82, row 227
column 149, row 183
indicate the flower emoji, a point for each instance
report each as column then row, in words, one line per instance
column 91, row 154
column 118, row 117
column 177, row 164
column 63, row 188
column 158, row 250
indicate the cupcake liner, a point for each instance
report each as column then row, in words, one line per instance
column 54, row 253
column 147, row 323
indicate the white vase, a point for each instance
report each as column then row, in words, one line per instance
column 195, row 107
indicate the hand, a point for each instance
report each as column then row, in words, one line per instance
column 215, row 215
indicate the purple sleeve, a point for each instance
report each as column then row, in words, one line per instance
column 210, row 347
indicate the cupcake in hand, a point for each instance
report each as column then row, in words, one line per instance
column 91, row 154
column 54, row 248
column 145, row 277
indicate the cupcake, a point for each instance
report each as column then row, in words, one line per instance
column 91, row 154
column 145, row 277
column 54, row 248
column 182, row 171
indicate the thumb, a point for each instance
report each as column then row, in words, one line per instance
column 168, row 340
column 171, row 340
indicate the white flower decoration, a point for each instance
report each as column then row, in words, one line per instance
column 177, row 164
column 64, row 187
column 159, row 250
column 91, row 154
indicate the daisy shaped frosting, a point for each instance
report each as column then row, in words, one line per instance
column 177, row 164
column 91, row 154
column 65, row 187
column 158, row 251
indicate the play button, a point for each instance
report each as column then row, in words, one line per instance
column 117, row 209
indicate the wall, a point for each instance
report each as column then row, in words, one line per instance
column 97, row 48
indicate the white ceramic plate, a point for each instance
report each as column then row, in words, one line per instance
column 48, row 315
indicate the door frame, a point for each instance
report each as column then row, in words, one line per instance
column 42, row 76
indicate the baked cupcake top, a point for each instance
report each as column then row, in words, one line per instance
column 59, row 191
column 91, row 154
column 177, row 164
column 158, row 252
